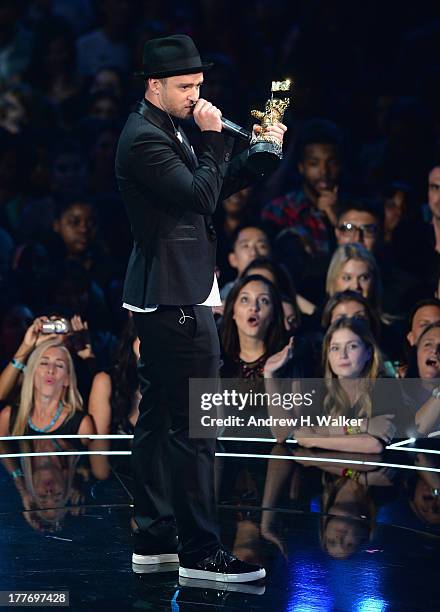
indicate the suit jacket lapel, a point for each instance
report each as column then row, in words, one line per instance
column 161, row 121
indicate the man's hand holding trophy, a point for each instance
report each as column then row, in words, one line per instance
column 266, row 148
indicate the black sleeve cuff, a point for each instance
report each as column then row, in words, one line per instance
column 214, row 142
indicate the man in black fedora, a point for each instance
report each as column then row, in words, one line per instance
column 170, row 287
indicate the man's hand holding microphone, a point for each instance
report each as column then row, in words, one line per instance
column 209, row 117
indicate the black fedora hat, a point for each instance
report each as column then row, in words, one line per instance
column 171, row 56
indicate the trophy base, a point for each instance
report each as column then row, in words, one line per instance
column 264, row 156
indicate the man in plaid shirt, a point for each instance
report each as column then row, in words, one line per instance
column 311, row 211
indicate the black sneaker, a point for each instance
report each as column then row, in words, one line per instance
column 221, row 566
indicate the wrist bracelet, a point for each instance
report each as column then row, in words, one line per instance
column 17, row 473
column 352, row 430
column 349, row 473
column 18, row 365
column 436, row 393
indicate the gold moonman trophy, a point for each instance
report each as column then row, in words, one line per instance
column 265, row 152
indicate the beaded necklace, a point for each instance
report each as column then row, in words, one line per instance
column 51, row 424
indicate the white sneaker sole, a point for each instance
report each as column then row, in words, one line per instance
column 218, row 577
column 252, row 589
column 154, row 559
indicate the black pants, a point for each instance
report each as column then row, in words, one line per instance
column 174, row 474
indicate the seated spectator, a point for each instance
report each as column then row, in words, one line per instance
column 361, row 223
column 350, row 304
column 355, row 222
column 76, row 225
column 75, row 337
column 353, row 267
column 274, row 272
column 428, row 370
column 311, row 210
column 395, row 212
column 278, row 275
column 352, row 362
column 301, row 314
column 50, row 401
column 115, row 396
column 422, row 316
column 358, row 222
column 230, row 215
column 252, row 328
column 248, row 243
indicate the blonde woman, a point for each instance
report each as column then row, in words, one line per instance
column 50, row 402
column 353, row 267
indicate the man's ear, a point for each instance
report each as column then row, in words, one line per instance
column 410, row 338
column 301, row 167
column 232, row 258
column 56, row 226
column 153, row 85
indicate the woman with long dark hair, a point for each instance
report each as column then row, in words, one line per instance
column 114, row 397
column 253, row 327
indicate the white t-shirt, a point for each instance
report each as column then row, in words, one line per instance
column 213, row 299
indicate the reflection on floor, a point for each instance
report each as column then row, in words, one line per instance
column 335, row 532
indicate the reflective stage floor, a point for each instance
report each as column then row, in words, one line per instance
column 366, row 540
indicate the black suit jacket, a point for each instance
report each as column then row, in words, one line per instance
column 170, row 197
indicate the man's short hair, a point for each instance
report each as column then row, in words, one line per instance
column 360, row 206
column 318, row 131
column 420, row 304
column 243, row 226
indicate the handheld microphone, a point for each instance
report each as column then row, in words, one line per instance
column 232, row 128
